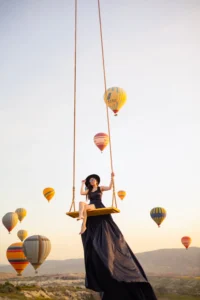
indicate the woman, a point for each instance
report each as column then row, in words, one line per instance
column 111, row 267
column 94, row 193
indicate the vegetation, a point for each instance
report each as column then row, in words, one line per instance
column 18, row 292
column 176, row 297
column 185, row 286
column 38, row 288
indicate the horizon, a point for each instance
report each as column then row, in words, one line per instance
column 82, row 258
column 153, row 54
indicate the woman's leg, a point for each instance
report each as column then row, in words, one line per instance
column 86, row 208
column 81, row 210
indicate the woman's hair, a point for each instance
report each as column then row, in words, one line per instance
column 90, row 187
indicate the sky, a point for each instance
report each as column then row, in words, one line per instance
column 152, row 52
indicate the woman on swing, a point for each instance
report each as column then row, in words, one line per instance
column 110, row 265
column 94, row 194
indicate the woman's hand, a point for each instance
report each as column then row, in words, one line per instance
column 108, row 188
column 83, row 191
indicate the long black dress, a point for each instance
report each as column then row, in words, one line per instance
column 111, row 267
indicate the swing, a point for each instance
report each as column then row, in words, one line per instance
column 98, row 211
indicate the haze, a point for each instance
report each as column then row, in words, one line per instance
column 151, row 51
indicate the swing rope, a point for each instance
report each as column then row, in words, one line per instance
column 107, row 112
column 114, row 202
column 74, row 137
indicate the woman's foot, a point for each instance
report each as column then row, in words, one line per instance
column 80, row 218
column 83, row 229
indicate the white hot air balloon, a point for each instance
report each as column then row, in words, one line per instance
column 10, row 220
column 36, row 249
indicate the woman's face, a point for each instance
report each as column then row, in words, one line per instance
column 93, row 181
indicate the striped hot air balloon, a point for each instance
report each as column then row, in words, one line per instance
column 101, row 140
column 22, row 234
column 115, row 98
column 48, row 193
column 158, row 214
column 186, row 241
column 36, row 249
column 16, row 257
column 121, row 194
column 10, row 220
column 21, row 212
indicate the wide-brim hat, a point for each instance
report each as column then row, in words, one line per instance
column 87, row 182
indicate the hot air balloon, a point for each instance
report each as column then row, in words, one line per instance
column 16, row 257
column 21, row 213
column 36, row 248
column 115, row 98
column 158, row 214
column 121, row 194
column 186, row 241
column 22, row 234
column 10, row 220
column 48, row 193
column 101, row 140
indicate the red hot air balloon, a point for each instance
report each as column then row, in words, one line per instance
column 186, row 241
column 101, row 140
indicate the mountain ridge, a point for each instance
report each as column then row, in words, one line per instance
column 171, row 261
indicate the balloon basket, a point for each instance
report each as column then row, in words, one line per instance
column 19, row 274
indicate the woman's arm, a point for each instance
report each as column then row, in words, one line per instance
column 83, row 192
column 108, row 188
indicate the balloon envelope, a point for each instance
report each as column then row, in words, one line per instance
column 10, row 220
column 115, row 98
column 48, row 193
column 158, row 214
column 21, row 212
column 101, row 140
column 36, row 248
column 16, row 257
column 186, row 241
column 22, row 234
column 121, row 194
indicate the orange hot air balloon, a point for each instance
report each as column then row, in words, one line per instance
column 48, row 193
column 101, row 140
column 16, row 257
column 121, row 194
column 186, row 241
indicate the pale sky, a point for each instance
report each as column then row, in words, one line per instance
column 151, row 51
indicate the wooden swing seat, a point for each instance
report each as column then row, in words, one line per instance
column 95, row 212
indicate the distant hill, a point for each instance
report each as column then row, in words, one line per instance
column 171, row 261
column 51, row 267
column 158, row 262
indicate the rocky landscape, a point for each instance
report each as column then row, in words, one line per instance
column 62, row 287
column 174, row 274
column 71, row 287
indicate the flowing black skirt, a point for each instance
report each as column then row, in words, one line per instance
column 111, row 267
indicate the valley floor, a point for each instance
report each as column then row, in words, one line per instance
column 71, row 286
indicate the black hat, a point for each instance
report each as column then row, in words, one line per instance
column 87, row 182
